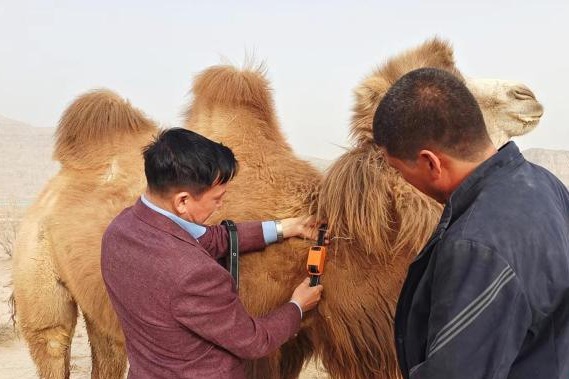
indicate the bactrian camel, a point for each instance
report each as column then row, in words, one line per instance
column 376, row 221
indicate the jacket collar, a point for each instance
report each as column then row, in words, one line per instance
column 161, row 222
column 507, row 157
column 194, row 229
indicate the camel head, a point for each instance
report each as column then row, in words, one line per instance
column 509, row 108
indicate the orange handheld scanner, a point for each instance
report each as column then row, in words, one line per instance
column 316, row 258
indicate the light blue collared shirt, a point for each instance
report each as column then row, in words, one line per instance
column 196, row 230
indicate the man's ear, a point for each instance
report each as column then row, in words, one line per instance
column 181, row 201
column 431, row 162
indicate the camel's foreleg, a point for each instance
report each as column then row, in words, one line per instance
column 46, row 316
column 108, row 355
column 266, row 368
column 283, row 364
column 294, row 354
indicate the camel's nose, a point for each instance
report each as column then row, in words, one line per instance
column 522, row 92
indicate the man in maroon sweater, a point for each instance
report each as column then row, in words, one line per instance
column 178, row 307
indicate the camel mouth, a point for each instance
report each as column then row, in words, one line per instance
column 529, row 118
column 523, row 123
column 527, row 122
column 533, row 113
column 530, row 124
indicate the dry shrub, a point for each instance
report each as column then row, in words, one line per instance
column 10, row 215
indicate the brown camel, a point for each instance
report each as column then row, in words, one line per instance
column 377, row 222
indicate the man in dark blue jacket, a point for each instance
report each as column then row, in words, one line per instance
column 488, row 296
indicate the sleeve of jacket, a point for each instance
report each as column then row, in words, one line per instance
column 479, row 315
column 204, row 302
column 215, row 240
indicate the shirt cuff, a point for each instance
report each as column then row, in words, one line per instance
column 269, row 232
column 299, row 308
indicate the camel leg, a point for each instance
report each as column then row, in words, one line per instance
column 45, row 311
column 266, row 368
column 47, row 321
column 295, row 354
column 108, row 356
column 287, row 363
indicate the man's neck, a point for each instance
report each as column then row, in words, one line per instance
column 463, row 169
column 159, row 202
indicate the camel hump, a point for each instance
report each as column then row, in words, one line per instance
column 92, row 124
column 230, row 86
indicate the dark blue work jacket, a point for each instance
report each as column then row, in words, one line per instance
column 488, row 296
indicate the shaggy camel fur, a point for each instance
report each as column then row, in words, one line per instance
column 378, row 220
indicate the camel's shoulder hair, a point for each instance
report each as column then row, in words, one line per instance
column 435, row 53
column 92, row 124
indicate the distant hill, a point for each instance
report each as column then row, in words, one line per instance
column 556, row 161
column 25, row 163
column 6, row 122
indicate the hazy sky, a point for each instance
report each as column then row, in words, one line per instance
column 316, row 53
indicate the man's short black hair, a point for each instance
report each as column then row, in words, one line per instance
column 430, row 108
column 181, row 159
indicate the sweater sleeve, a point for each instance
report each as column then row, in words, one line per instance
column 205, row 303
column 479, row 315
column 216, row 239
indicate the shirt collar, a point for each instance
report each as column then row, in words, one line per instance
column 194, row 230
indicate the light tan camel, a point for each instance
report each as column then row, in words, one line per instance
column 56, row 261
column 57, row 254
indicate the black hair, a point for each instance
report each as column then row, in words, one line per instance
column 182, row 159
column 433, row 109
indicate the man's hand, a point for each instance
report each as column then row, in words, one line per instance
column 307, row 297
column 303, row 227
